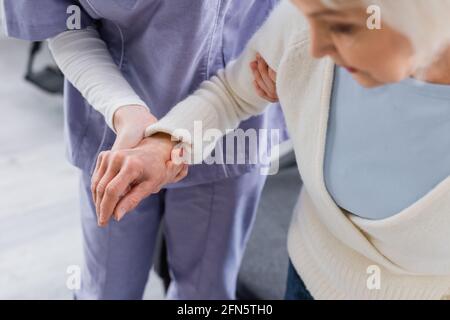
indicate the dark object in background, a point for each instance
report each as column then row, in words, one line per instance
column 265, row 264
column 50, row 79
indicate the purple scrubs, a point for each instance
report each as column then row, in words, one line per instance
column 165, row 49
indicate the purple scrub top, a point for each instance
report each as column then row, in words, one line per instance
column 164, row 48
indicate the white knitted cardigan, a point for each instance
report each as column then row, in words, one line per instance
column 333, row 252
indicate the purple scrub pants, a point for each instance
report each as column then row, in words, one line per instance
column 206, row 229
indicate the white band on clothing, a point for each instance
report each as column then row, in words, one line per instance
column 84, row 59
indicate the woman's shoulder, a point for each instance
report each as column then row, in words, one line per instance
column 284, row 27
column 286, row 20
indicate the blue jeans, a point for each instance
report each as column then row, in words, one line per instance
column 296, row 288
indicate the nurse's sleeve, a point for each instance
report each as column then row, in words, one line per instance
column 37, row 20
column 85, row 61
column 225, row 100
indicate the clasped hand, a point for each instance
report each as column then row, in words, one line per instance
column 135, row 168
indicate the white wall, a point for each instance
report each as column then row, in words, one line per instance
column 2, row 22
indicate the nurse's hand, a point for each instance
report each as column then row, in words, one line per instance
column 123, row 178
column 264, row 79
column 130, row 123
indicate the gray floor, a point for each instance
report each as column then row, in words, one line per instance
column 40, row 233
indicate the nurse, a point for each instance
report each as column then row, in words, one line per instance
column 163, row 50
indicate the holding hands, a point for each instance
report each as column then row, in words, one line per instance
column 137, row 167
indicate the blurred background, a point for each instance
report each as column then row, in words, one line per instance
column 40, row 233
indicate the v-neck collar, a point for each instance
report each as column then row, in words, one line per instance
column 342, row 227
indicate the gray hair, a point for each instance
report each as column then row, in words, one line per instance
column 424, row 22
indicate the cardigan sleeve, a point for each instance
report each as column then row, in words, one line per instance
column 228, row 98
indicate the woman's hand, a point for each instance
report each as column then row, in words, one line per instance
column 123, row 178
column 265, row 79
column 130, row 123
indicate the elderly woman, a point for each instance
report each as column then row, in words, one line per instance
column 372, row 220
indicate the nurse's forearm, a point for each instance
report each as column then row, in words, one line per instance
column 86, row 62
